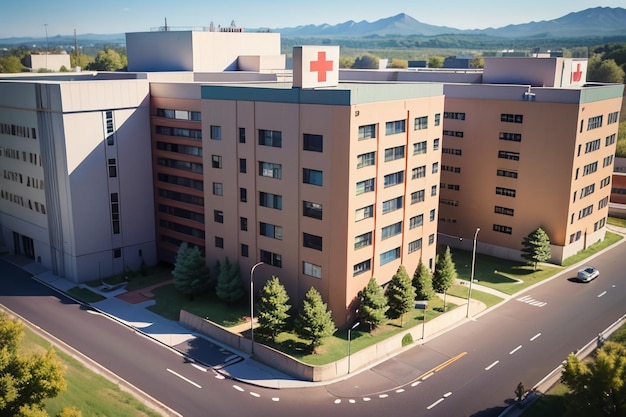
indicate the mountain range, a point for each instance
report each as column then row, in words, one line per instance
column 597, row 22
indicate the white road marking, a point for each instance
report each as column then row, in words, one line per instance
column 383, row 396
column 337, row 401
column 400, row 390
column 531, row 301
column 238, row 388
column 535, row 336
column 435, row 403
column 254, row 394
column 219, row 376
column 425, row 377
column 515, row 350
column 601, row 294
column 492, row 365
column 275, row 399
column 366, row 399
column 351, row 401
column 183, row 378
column 201, row 368
column 416, row 383
column 447, row 394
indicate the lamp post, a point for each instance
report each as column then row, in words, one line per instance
column 252, row 304
column 354, row 326
column 47, row 45
column 469, row 293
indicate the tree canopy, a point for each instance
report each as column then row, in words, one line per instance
column 445, row 273
column 536, row 247
column 400, row 294
column 372, row 304
column 108, row 59
column 191, row 276
column 229, row 287
column 273, row 308
column 314, row 322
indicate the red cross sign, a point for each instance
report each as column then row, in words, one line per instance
column 321, row 66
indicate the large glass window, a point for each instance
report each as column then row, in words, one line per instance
column 391, row 230
column 268, row 169
column 271, row 138
column 397, row 126
column 313, row 143
column 312, row 176
column 311, row 241
column 389, row 256
column 313, row 210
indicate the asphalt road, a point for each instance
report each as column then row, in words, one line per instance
column 470, row 371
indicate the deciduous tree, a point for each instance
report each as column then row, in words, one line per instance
column 372, row 304
column 315, row 321
column 273, row 308
column 536, row 247
column 445, row 274
column 400, row 294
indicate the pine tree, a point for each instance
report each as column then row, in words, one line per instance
column 423, row 282
column 536, row 247
column 229, row 288
column 315, row 321
column 445, row 274
column 373, row 304
column 400, row 294
column 272, row 309
column 191, row 276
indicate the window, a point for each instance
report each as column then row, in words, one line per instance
column 365, row 186
column 505, row 173
column 244, row 250
column 243, row 195
column 115, row 213
column 243, row 224
column 435, row 144
column 513, row 156
column 454, row 133
column 216, row 161
column 111, row 140
column 392, row 205
column 362, row 267
column 313, row 143
column 270, row 258
column 585, row 212
column 218, row 188
column 367, row 132
column 179, row 114
column 219, row 242
column 117, row 253
column 415, row 245
column 363, row 240
column 364, row 213
column 312, row 241
column 452, row 115
column 271, row 200
column 450, row 168
column 603, row 203
column 418, row 196
column 433, row 190
column 590, row 168
column 311, row 176
column 184, row 165
column 452, row 151
column 271, row 138
column 267, row 169
column 112, row 167
column 504, row 210
column 455, row 187
column 508, row 192
column 218, row 216
column 243, row 166
column 109, row 121
column 177, row 148
column 394, row 179
column 391, row 154
column 419, row 172
column 609, row 140
column 513, row 137
column 366, row 159
column 391, row 230
column 613, row 118
column 435, row 167
column 587, row 190
column 594, row 122
column 437, row 119
column 242, row 135
column 389, row 256
column 511, row 118
column 421, row 123
column 216, row 132
column 313, row 210
column 431, row 239
column 416, row 221
column 431, row 215
column 605, row 181
column 179, row 131
column 593, row 145
column 397, row 126
column 311, row 270
column 607, row 161
column 502, row 229
column 270, row 230
column 419, row 148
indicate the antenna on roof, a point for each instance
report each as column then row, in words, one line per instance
column 166, row 24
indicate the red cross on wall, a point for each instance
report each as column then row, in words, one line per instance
column 321, row 66
column 577, row 74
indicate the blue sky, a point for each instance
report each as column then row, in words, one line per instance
column 61, row 17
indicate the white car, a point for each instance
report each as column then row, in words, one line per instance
column 588, row 273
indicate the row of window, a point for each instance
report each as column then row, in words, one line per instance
column 19, row 200
column 12, row 153
column 396, row 126
column 16, row 130
column 179, row 114
column 17, row 177
column 390, row 255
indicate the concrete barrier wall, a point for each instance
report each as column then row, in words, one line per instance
column 293, row 367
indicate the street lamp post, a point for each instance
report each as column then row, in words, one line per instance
column 354, row 326
column 469, row 293
column 252, row 304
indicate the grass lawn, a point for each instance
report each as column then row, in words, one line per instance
column 137, row 279
column 615, row 221
column 85, row 295
column 610, row 239
column 169, row 302
column 93, row 394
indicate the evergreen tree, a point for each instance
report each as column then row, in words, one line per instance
column 191, row 276
column 272, row 309
column 445, row 274
column 536, row 247
column 400, row 294
column 315, row 321
column 373, row 304
column 423, row 282
column 25, row 381
column 229, row 288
